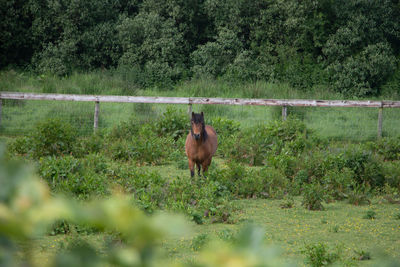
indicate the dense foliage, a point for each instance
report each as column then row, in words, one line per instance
column 349, row 46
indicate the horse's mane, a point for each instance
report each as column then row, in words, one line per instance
column 199, row 118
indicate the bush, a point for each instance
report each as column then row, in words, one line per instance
column 21, row 145
column 367, row 169
column 389, row 148
column 201, row 197
column 256, row 143
column 173, row 124
column 313, row 195
column 92, row 144
column 52, row 137
column 318, row 255
column 359, row 195
column 338, row 183
column 74, row 176
column 124, row 130
column 145, row 147
column 370, row 215
column 224, row 126
column 391, row 171
column 363, row 74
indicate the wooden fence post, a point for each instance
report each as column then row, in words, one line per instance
column 96, row 115
column 190, row 110
column 284, row 112
column 380, row 119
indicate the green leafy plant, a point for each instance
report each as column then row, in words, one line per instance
column 362, row 255
column 370, row 215
column 52, row 137
column 313, row 195
column 319, row 255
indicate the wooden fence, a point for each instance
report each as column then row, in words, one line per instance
column 284, row 103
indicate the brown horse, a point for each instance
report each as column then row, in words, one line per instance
column 201, row 144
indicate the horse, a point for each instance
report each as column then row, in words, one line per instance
column 201, row 144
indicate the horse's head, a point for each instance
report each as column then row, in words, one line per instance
column 197, row 125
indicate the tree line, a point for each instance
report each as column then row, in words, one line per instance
column 351, row 47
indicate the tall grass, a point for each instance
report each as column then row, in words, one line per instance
column 19, row 117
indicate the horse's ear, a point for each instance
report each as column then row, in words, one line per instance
column 202, row 114
column 192, row 115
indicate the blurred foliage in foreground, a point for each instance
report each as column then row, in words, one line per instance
column 27, row 210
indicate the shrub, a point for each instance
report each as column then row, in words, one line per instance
column 21, row 145
column 338, row 183
column 145, row 147
column 364, row 73
column 148, row 188
column 69, row 175
column 52, row 137
column 91, row 144
column 224, row 126
column 313, row 195
column 288, row 203
column 391, row 172
column 256, row 143
column 363, row 255
column 318, row 255
column 366, row 168
column 359, row 195
column 199, row 241
column 172, row 124
column 124, row 130
column 370, row 215
column 389, row 148
column 201, row 197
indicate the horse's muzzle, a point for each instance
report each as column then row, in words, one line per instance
column 196, row 136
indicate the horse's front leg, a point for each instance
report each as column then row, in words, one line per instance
column 205, row 166
column 191, row 167
column 198, row 169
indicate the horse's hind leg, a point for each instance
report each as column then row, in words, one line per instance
column 191, row 167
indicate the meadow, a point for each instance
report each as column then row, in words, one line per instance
column 320, row 186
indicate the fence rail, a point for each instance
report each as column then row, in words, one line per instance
column 204, row 100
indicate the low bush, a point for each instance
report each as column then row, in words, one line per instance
column 173, row 124
column 391, row 171
column 21, row 145
column 337, row 184
column 389, row 148
column 74, row 176
column 201, row 197
column 145, row 147
column 255, row 144
column 366, row 167
column 370, row 214
column 52, row 137
column 124, row 130
column 319, row 255
column 313, row 196
column 86, row 145
column 359, row 195
column 224, row 126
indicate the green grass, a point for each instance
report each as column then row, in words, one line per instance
column 291, row 229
